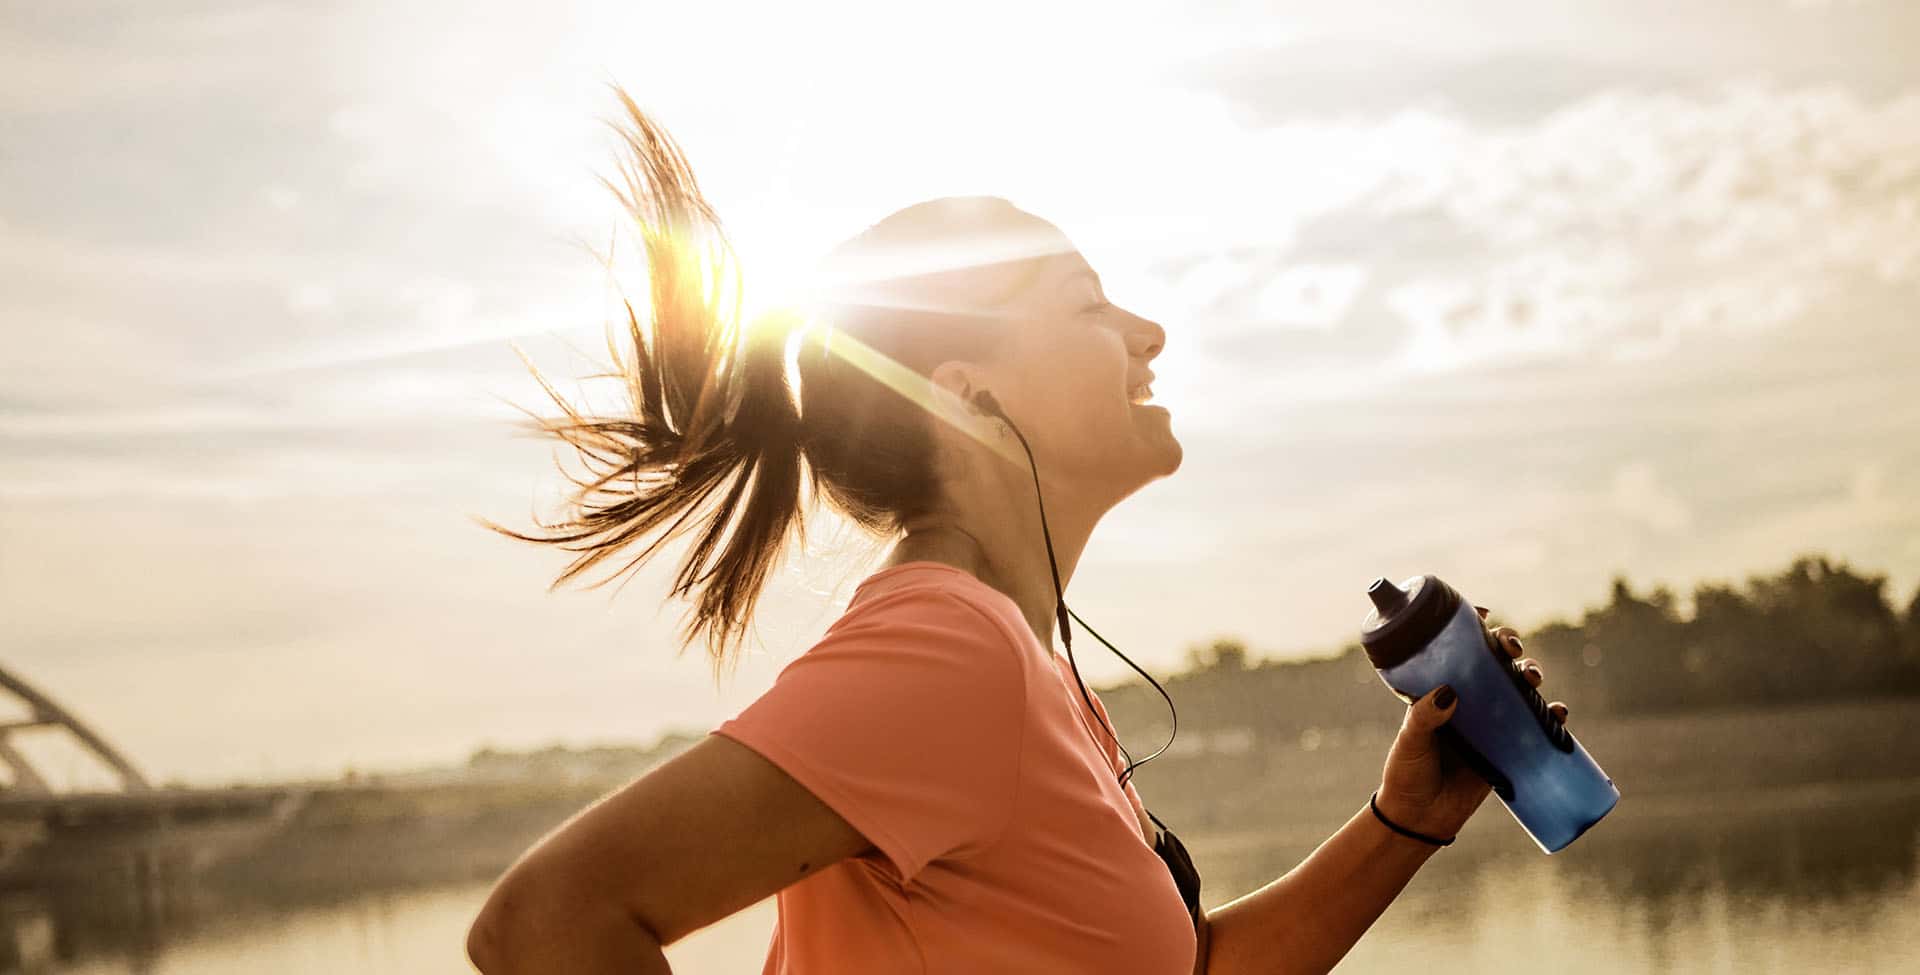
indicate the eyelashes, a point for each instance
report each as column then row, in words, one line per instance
column 1093, row 297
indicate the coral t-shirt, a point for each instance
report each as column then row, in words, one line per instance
column 931, row 719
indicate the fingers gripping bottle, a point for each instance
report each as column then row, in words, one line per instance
column 1421, row 634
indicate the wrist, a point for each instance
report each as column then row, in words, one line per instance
column 1414, row 814
column 1410, row 828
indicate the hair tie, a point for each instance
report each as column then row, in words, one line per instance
column 1402, row 830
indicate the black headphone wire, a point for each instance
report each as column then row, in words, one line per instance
column 986, row 400
column 1167, row 846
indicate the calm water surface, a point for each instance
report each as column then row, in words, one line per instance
column 1823, row 881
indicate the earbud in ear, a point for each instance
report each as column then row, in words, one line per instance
column 986, row 404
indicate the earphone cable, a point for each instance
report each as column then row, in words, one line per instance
column 1175, row 712
column 1066, row 631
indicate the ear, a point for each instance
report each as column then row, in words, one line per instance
column 954, row 384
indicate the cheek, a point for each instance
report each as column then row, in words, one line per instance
column 1092, row 417
column 1077, row 393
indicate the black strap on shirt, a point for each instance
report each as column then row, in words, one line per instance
column 1185, row 875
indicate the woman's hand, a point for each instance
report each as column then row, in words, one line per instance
column 1428, row 788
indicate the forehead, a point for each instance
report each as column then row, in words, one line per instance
column 962, row 266
column 1070, row 266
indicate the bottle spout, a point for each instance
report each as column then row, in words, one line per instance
column 1387, row 597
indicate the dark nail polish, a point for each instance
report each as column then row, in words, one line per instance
column 1443, row 699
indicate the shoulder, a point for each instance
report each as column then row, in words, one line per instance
column 907, row 717
column 931, row 622
column 920, row 590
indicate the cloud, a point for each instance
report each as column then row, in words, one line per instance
column 407, row 425
column 1535, row 305
column 1609, row 227
column 1313, row 296
column 1639, row 495
column 1637, row 217
column 1744, row 169
column 1364, row 76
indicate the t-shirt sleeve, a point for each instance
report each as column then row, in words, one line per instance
column 907, row 719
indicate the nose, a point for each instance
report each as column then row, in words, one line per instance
column 1146, row 337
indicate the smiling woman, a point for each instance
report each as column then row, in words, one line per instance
column 932, row 749
column 956, row 284
column 930, row 786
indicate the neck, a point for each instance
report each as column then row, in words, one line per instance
column 995, row 535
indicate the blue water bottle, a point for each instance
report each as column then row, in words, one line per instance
column 1421, row 634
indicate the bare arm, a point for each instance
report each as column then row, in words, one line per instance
column 710, row 832
column 1307, row 920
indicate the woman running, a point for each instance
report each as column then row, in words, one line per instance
column 930, row 787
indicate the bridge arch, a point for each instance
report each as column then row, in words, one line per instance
column 42, row 712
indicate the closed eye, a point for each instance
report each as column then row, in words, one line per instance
column 1098, row 299
column 1089, row 286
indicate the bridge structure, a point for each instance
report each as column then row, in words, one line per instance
column 129, row 865
column 123, row 859
column 48, row 833
column 42, row 712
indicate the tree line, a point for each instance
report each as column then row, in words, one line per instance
column 1816, row 630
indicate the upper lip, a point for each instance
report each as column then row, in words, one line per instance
column 1146, row 380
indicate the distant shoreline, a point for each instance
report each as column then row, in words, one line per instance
column 1724, row 791
column 1778, row 762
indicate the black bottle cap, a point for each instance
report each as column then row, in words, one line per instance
column 1404, row 619
column 1387, row 597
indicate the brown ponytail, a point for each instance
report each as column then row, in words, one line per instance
column 711, row 412
column 707, row 413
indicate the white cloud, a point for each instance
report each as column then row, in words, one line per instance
column 309, row 298
column 1869, row 485
column 1865, row 515
column 1310, row 296
column 1210, row 279
column 1610, row 228
column 1639, row 495
column 281, row 197
column 1536, row 304
column 1626, row 218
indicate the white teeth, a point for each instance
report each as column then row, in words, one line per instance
column 1140, row 394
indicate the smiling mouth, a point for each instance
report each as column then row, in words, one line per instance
column 1140, row 395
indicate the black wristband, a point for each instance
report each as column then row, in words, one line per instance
column 1396, row 827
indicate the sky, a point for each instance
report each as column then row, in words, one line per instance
column 1524, row 295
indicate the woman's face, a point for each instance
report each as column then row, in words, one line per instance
column 1067, row 376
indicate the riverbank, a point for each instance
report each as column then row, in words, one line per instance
column 1320, row 779
column 1807, row 803
column 349, row 839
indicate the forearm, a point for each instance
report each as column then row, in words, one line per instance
column 1307, row 920
column 545, row 937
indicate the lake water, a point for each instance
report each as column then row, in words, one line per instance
column 1818, row 879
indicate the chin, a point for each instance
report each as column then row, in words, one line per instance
column 1169, row 457
column 1158, row 460
column 1163, row 451
column 1147, row 458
